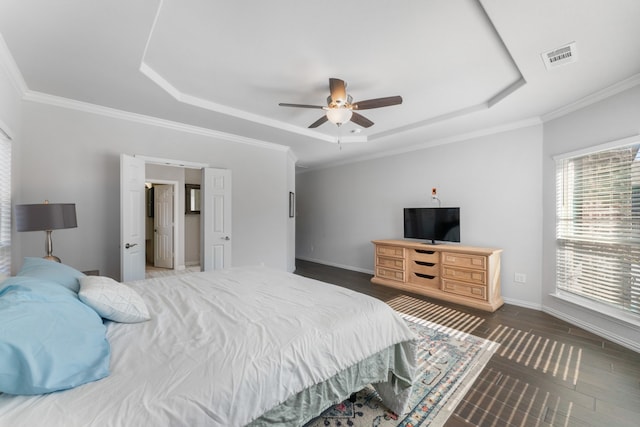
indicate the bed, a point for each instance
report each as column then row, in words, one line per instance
column 245, row 346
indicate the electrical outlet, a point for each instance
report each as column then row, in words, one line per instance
column 520, row 278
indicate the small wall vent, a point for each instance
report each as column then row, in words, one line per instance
column 560, row 56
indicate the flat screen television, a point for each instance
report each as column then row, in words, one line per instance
column 434, row 224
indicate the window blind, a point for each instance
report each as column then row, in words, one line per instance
column 5, row 206
column 598, row 226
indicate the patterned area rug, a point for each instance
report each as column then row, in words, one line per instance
column 449, row 362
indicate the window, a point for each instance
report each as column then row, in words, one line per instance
column 598, row 225
column 5, row 206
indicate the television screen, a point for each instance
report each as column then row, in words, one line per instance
column 433, row 224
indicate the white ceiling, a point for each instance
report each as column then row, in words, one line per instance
column 461, row 66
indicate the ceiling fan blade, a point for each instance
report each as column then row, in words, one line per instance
column 377, row 103
column 361, row 120
column 338, row 91
column 318, row 122
column 284, row 104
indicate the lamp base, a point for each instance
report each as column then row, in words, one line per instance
column 48, row 245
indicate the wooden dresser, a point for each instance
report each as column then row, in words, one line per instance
column 461, row 274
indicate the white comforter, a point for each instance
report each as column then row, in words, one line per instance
column 221, row 349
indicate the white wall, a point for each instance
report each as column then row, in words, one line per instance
column 496, row 180
column 73, row 156
column 614, row 118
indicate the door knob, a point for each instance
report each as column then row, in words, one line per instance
column 129, row 245
column 226, row 238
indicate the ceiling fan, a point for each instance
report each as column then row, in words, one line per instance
column 341, row 108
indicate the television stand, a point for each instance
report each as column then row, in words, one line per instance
column 460, row 274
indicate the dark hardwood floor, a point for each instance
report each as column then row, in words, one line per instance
column 546, row 372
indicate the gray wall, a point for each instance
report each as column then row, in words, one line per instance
column 73, row 156
column 496, row 180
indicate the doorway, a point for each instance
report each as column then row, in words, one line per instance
column 215, row 218
column 161, row 234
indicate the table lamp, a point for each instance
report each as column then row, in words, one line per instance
column 46, row 217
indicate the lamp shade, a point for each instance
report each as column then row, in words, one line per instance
column 339, row 115
column 45, row 216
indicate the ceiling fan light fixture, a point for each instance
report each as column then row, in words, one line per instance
column 339, row 116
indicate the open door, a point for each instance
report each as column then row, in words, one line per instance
column 215, row 217
column 163, row 223
column 132, row 204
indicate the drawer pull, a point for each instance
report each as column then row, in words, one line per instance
column 427, row 264
column 422, row 251
column 425, row 276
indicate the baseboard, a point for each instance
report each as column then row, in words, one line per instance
column 522, row 303
column 331, row 264
column 607, row 334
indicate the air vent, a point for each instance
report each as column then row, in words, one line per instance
column 560, row 56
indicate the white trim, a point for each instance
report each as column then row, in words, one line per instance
column 171, row 162
column 292, row 157
column 611, row 313
column 508, row 90
column 606, row 334
column 5, row 131
column 600, row 147
column 522, row 303
column 9, row 65
column 598, row 96
column 143, row 119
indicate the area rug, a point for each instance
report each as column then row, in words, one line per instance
column 449, row 361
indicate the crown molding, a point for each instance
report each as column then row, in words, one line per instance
column 11, row 68
column 593, row 98
column 86, row 107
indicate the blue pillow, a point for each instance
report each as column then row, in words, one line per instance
column 49, row 340
column 51, row 270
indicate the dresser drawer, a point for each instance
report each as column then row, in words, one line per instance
column 424, row 255
column 422, row 267
column 391, row 274
column 392, row 251
column 424, row 279
column 383, row 261
column 474, row 276
column 464, row 289
column 465, row 260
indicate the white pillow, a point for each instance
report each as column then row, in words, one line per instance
column 112, row 300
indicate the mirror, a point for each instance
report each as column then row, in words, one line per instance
column 192, row 199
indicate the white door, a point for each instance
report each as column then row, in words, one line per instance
column 132, row 215
column 163, row 225
column 215, row 219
